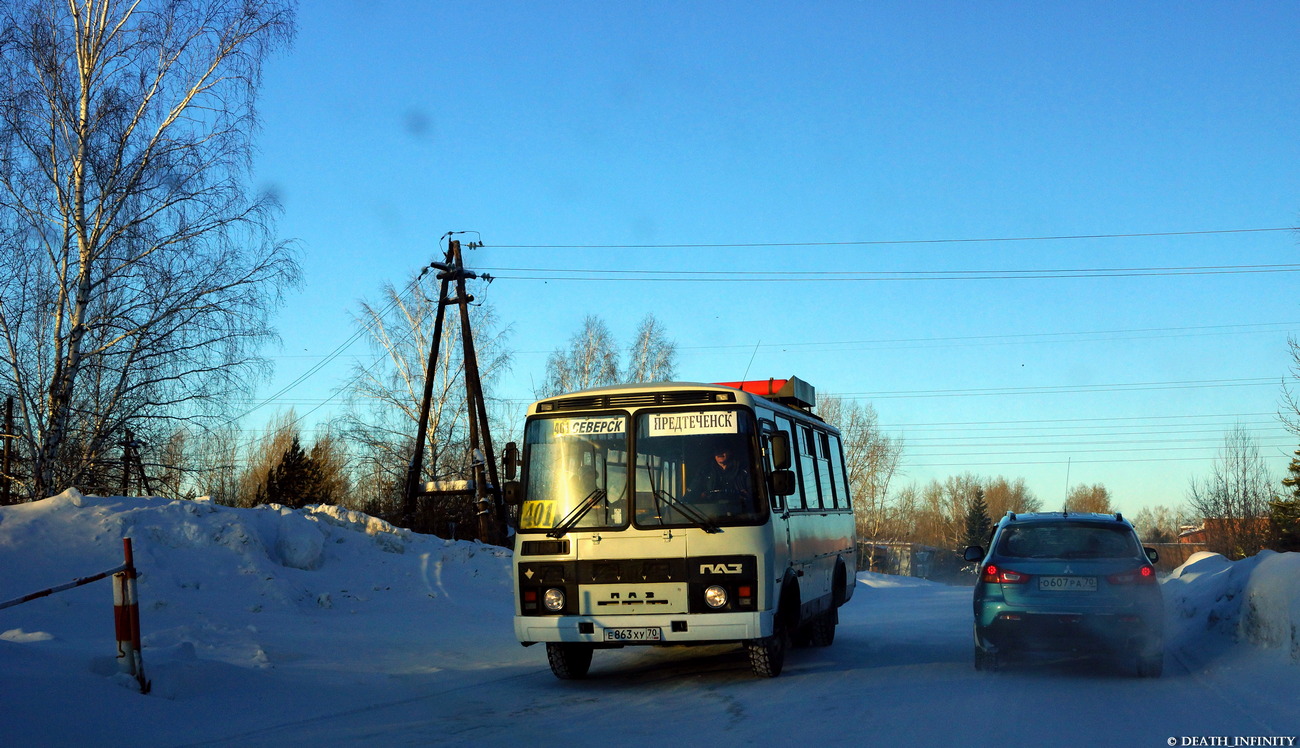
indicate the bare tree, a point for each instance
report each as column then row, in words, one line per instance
column 1290, row 413
column 330, row 462
column 591, row 360
column 173, row 460
column 1157, row 524
column 138, row 273
column 871, row 460
column 1005, row 496
column 652, row 357
column 1085, row 498
column 384, row 402
column 216, row 458
column 1233, row 501
column 263, row 455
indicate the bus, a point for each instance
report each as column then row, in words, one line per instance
column 680, row 514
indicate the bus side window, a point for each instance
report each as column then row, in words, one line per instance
column 841, row 477
column 795, row 500
column 830, row 499
column 808, row 468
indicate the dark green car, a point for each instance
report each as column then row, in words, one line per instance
column 1067, row 583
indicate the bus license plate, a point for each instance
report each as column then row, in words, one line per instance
column 634, row 635
column 1068, row 584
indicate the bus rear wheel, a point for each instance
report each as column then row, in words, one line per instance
column 823, row 628
column 569, row 661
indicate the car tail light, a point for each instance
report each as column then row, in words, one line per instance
column 998, row 575
column 1140, row 575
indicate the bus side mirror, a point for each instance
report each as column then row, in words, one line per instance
column 782, row 482
column 512, row 493
column 511, row 460
column 780, row 445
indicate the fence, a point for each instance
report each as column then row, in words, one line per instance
column 126, row 612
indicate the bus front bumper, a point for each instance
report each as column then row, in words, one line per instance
column 670, row 628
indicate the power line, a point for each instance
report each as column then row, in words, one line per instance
column 686, row 276
column 1065, row 389
column 1057, row 421
column 883, row 242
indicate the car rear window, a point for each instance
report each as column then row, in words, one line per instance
column 1067, row 540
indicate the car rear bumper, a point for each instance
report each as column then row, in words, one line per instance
column 1083, row 632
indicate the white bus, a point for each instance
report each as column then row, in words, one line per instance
column 678, row 514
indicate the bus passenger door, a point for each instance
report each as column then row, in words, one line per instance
column 781, row 540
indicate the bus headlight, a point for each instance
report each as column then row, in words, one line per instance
column 554, row 599
column 715, row 596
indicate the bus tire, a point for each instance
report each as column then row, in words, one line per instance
column 568, row 661
column 767, row 655
column 823, row 628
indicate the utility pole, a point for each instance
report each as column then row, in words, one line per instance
column 6, row 492
column 486, row 490
column 131, row 454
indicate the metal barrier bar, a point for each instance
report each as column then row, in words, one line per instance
column 62, row 587
column 126, row 611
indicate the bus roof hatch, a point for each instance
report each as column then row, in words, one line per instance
column 792, row 391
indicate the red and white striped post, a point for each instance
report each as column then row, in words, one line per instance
column 126, row 618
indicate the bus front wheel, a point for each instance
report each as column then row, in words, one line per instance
column 767, row 655
column 568, row 661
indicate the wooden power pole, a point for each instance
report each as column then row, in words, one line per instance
column 484, row 487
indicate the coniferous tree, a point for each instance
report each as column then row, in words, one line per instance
column 1284, row 511
column 978, row 523
column 294, row 481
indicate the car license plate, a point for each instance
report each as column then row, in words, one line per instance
column 1067, row 584
column 634, row 635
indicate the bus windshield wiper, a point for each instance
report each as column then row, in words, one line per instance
column 577, row 513
column 695, row 516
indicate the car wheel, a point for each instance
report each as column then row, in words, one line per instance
column 569, row 661
column 985, row 660
column 1150, row 667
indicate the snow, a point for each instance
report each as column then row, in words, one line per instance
column 323, row 626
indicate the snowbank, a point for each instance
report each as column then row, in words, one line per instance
column 1254, row 600
column 1270, row 615
column 230, row 585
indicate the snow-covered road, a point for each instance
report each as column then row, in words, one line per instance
column 273, row 627
column 899, row 673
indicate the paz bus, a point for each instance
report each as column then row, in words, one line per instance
column 680, row 514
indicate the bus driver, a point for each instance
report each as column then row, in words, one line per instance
column 723, row 479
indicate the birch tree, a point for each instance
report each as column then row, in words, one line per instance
column 652, row 356
column 591, row 360
column 138, row 272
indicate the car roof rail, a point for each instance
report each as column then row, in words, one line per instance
column 1119, row 517
column 1011, row 516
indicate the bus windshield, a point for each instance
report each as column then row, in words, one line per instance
column 696, row 468
column 576, row 473
column 692, row 469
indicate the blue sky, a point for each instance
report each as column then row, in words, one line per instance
column 863, row 131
